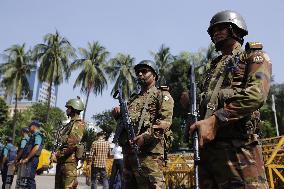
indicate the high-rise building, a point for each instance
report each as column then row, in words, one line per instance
column 42, row 93
column 38, row 93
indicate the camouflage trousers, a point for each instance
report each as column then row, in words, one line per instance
column 150, row 177
column 66, row 175
column 224, row 166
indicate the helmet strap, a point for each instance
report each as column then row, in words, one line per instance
column 235, row 36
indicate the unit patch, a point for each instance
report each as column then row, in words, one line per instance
column 258, row 59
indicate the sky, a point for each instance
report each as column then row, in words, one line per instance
column 136, row 28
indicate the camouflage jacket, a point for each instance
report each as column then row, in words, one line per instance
column 159, row 111
column 243, row 91
column 71, row 136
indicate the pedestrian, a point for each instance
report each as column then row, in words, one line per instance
column 233, row 90
column 151, row 111
column 9, row 153
column 30, row 156
column 100, row 152
column 70, row 150
column 117, row 167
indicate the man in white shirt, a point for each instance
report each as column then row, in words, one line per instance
column 117, row 167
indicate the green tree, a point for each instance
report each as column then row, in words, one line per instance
column 178, row 81
column 164, row 60
column 92, row 77
column 120, row 70
column 106, row 122
column 3, row 116
column 16, row 69
column 267, row 114
column 88, row 138
column 54, row 56
column 57, row 116
column 3, row 111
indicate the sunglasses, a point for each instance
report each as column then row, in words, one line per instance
column 142, row 70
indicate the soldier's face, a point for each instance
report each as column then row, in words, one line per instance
column 145, row 76
column 68, row 111
column 220, row 32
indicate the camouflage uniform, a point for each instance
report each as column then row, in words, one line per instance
column 234, row 158
column 159, row 110
column 66, row 168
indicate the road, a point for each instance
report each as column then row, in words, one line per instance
column 47, row 182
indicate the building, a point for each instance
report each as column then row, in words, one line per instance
column 38, row 93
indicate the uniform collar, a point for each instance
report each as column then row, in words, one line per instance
column 150, row 90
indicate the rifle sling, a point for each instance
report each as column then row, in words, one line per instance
column 142, row 117
column 212, row 105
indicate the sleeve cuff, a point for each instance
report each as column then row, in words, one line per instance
column 222, row 117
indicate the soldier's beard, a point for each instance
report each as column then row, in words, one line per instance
column 141, row 82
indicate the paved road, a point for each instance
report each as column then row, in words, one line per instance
column 47, row 182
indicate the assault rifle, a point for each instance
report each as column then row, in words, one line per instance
column 192, row 118
column 125, row 125
column 56, row 134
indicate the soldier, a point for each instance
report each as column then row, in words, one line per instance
column 70, row 150
column 9, row 154
column 235, row 87
column 151, row 113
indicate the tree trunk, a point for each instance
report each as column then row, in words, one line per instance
column 85, row 108
column 48, row 100
column 15, row 118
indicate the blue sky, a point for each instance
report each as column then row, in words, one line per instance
column 136, row 28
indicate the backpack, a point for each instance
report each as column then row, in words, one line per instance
column 12, row 153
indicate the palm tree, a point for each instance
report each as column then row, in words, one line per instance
column 92, row 77
column 54, row 55
column 15, row 72
column 120, row 70
column 163, row 59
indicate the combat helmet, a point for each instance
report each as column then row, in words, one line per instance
column 148, row 63
column 230, row 17
column 76, row 104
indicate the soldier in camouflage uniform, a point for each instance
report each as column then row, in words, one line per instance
column 234, row 89
column 151, row 113
column 68, row 154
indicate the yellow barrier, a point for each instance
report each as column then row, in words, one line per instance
column 273, row 155
column 179, row 171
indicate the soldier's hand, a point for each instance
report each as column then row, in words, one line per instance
column 116, row 112
column 184, row 99
column 139, row 140
column 206, row 130
column 23, row 161
column 53, row 157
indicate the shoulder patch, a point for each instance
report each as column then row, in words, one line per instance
column 164, row 88
column 253, row 46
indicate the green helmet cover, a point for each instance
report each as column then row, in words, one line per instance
column 76, row 104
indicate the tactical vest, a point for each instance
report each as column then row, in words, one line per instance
column 65, row 134
column 29, row 146
column 234, row 69
column 144, row 112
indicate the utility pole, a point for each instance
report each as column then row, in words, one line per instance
column 275, row 117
